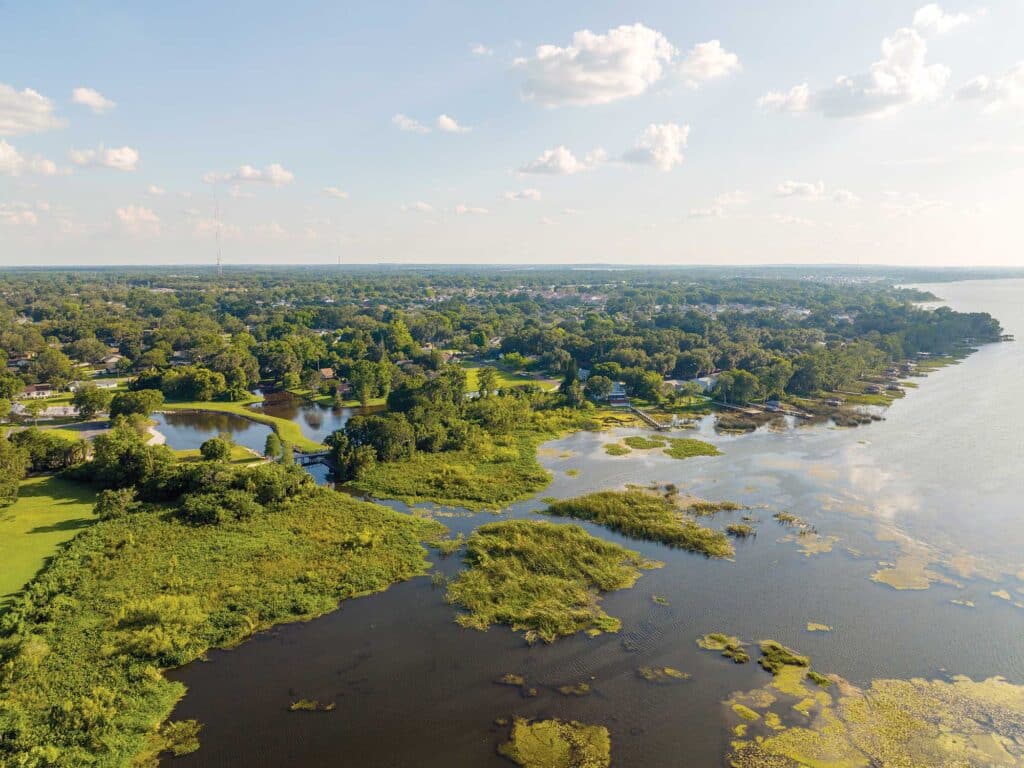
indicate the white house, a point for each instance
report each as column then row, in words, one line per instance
column 37, row 392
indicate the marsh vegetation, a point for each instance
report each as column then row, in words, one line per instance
column 644, row 515
column 541, row 578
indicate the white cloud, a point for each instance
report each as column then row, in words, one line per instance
column 335, row 192
column 479, row 49
column 900, row 78
column 711, row 212
column 786, row 220
column 814, row 191
column 720, row 206
column 13, row 163
column 118, row 158
column 154, row 190
column 523, row 194
column 805, row 190
column 910, row 204
column 274, row 174
column 138, row 220
column 272, row 231
column 559, row 162
column 796, row 99
column 707, row 61
column 462, row 209
column 18, row 214
column 450, row 125
column 409, row 125
column 932, row 20
column 660, row 145
column 92, row 99
column 418, row 207
column 996, row 92
column 596, row 69
column 25, row 111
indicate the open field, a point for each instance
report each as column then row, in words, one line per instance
column 48, row 512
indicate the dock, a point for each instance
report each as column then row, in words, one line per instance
column 650, row 420
column 307, row 459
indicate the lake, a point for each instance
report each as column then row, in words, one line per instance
column 935, row 488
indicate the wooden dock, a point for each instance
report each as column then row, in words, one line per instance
column 650, row 420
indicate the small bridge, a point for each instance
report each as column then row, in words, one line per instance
column 306, row 459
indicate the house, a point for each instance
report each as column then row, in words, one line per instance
column 618, row 397
column 37, row 392
column 110, row 362
column 326, row 373
column 706, row 383
column 98, row 383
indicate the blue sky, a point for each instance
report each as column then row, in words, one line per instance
column 699, row 132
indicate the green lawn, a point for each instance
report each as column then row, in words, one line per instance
column 288, row 431
column 48, row 512
column 505, row 379
column 239, row 455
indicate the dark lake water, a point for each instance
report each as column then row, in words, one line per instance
column 317, row 421
column 938, row 482
column 189, row 429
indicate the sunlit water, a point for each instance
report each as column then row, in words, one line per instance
column 941, row 475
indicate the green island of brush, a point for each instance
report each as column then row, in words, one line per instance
column 644, row 515
column 557, row 744
column 541, row 578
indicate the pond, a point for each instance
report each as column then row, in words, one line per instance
column 935, row 488
column 187, row 430
column 316, row 420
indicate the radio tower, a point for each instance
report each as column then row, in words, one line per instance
column 216, row 218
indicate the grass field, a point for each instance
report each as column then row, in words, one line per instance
column 48, row 512
column 505, row 379
column 239, row 455
column 288, row 431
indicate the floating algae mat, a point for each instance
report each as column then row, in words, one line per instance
column 557, row 744
column 796, row 721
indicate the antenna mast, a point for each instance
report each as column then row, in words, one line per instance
column 216, row 216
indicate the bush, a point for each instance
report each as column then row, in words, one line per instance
column 112, row 504
column 216, row 449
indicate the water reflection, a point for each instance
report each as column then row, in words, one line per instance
column 316, row 420
column 186, row 430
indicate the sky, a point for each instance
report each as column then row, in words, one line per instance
column 704, row 132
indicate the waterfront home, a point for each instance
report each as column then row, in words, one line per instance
column 37, row 392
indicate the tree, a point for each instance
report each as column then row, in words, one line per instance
column 141, row 401
column 13, row 466
column 5, row 408
column 272, row 448
column 53, row 367
column 487, row 380
column 90, row 400
column 33, row 408
column 114, row 503
column 598, row 387
column 216, row 449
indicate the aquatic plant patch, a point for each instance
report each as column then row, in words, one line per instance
column 557, row 744
column 541, row 578
column 643, row 515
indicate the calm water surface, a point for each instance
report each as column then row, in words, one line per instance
column 939, row 478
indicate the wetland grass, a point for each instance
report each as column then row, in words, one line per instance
column 643, row 515
column 557, row 744
column 616, row 449
column 729, row 646
column 541, row 578
column 688, row 447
